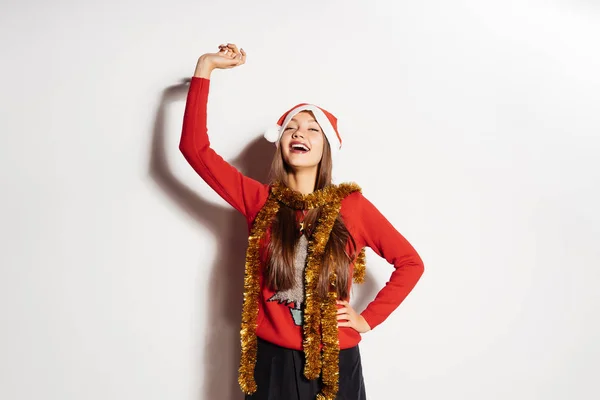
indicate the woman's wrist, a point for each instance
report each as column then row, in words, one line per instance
column 203, row 69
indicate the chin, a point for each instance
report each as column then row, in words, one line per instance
column 297, row 162
column 301, row 165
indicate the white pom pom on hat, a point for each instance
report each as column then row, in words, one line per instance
column 325, row 119
column 272, row 134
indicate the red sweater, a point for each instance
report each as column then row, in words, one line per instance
column 365, row 223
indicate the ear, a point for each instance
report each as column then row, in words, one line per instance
column 272, row 134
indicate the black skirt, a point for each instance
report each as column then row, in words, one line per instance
column 279, row 375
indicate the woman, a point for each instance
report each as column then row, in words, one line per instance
column 306, row 245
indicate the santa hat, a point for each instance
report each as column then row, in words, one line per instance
column 324, row 118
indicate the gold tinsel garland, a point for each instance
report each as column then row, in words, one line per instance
column 319, row 314
column 330, row 338
column 360, row 267
column 312, row 305
column 251, row 296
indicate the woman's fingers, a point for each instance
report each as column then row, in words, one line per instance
column 348, row 317
column 231, row 51
column 233, row 47
column 343, row 316
column 234, row 55
column 237, row 54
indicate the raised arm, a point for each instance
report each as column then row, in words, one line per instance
column 243, row 193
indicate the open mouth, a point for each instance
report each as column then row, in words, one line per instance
column 299, row 148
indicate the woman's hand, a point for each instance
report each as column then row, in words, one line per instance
column 227, row 57
column 347, row 317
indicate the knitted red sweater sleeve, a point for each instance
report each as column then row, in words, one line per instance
column 243, row 193
column 379, row 234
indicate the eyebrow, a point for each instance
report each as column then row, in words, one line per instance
column 295, row 120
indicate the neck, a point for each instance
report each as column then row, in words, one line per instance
column 302, row 181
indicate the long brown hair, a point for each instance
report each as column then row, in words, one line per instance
column 284, row 235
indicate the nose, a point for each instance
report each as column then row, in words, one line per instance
column 297, row 134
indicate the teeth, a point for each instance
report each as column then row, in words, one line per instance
column 300, row 147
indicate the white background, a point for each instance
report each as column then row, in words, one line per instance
column 474, row 126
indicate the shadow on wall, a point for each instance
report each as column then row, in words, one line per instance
column 226, row 276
